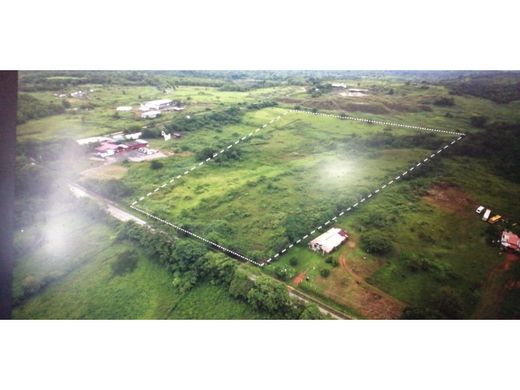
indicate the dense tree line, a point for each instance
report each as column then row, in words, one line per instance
column 503, row 88
column 60, row 80
column 499, row 145
column 30, row 107
column 212, row 120
column 191, row 262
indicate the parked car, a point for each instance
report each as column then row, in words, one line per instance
column 486, row 215
column 479, row 209
column 495, row 219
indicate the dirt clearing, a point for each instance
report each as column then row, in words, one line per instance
column 106, row 172
column 299, row 278
column 449, row 197
column 350, row 289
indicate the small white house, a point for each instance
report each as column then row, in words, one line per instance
column 150, row 114
column 124, row 109
column 339, row 85
column 167, row 136
column 328, row 241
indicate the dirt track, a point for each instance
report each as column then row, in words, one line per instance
column 371, row 301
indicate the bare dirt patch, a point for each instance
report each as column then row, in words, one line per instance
column 299, row 278
column 106, row 172
column 449, row 197
column 495, row 287
column 350, row 289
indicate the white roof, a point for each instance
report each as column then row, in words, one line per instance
column 159, row 101
column 124, row 108
column 329, row 240
column 91, row 140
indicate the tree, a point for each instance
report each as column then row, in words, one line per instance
column 478, row 120
column 311, row 312
column 448, row 302
column 420, row 313
column 240, row 285
column 296, row 226
column 126, row 262
column 154, row 164
column 325, row 272
column 269, row 295
column 375, row 243
column 187, row 254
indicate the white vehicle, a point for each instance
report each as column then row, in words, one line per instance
column 479, row 209
column 486, row 215
column 108, row 153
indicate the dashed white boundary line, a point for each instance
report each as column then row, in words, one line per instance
column 378, row 122
column 366, row 198
column 215, row 155
column 222, row 248
column 245, row 137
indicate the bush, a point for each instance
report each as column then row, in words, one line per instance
column 444, row 102
column 375, row 243
column 154, row 164
column 448, row 302
column 126, row 262
column 293, row 261
column 240, row 285
column 325, row 272
column 311, row 312
column 269, row 296
column 478, row 121
column 284, row 273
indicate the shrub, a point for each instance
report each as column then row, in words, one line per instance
column 154, row 164
column 444, row 102
column 293, row 261
column 126, row 262
column 284, row 273
column 269, row 295
column 375, row 243
column 311, row 312
column 240, row 285
column 325, row 272
column 478, row 121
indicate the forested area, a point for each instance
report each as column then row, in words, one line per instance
column 191, row 263
column 30, row 107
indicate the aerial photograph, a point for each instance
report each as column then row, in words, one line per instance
column 266, row 195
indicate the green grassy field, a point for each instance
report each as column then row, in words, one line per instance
column 95, row 115
column 85, row 287
column 302, row 165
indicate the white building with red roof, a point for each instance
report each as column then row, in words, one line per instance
column 510, row 240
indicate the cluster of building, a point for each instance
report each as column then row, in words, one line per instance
column 117, row 143
column 154, row 108
column 508, row 240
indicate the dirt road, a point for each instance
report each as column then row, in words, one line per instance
column 111, row 208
